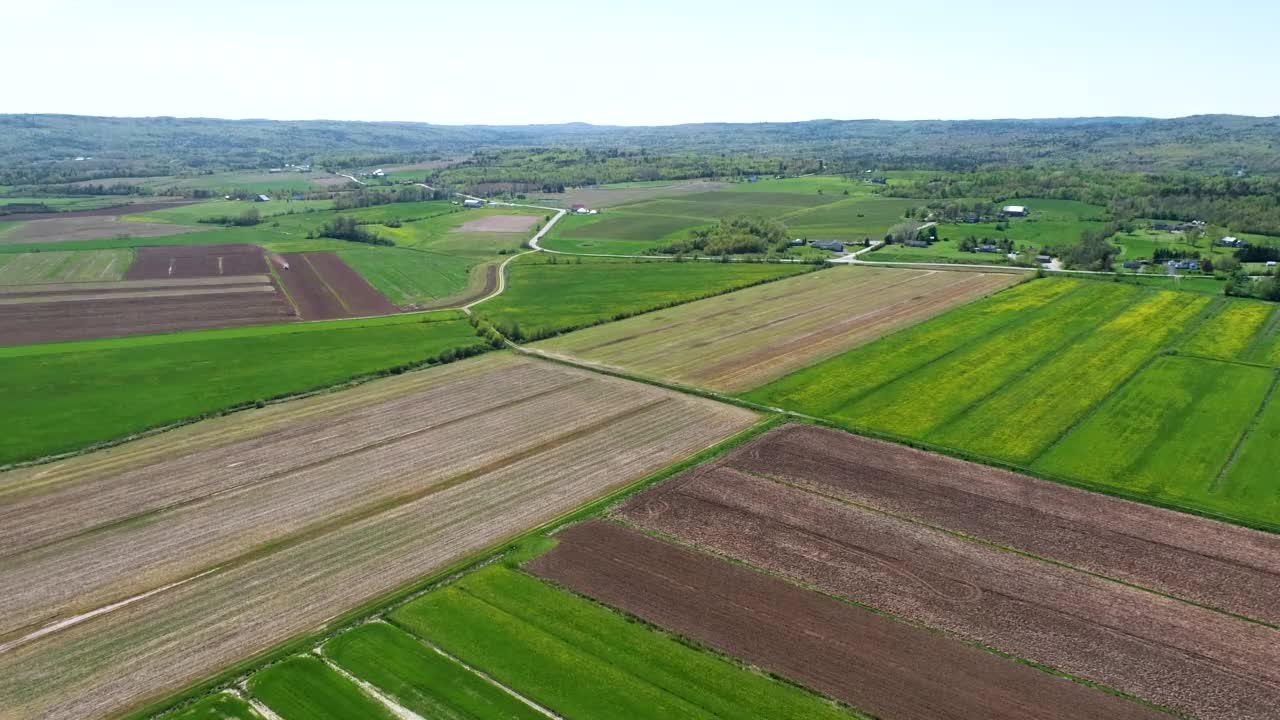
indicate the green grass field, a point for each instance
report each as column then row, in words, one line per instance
column 221, row 706
column 1168, row 433
column 57, row 267
column 850, row 219
column 62, row 204
column 305, row 688
column 193, row 214
column 584, row 661
column 1068, row 378
column 419, row 678
column 71, row 395
column 545, row 297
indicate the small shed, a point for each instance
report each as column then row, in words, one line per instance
column 472, row 203
column 1014, row 210
column 261, row 198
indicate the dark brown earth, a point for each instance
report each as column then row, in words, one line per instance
column 1180, row 655
column 193, row 261
column 323, row 287
column 1211, row 563
column 130, row 209
column 878, row 665
column 102, row 318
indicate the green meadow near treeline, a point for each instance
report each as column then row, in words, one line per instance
column 1157, row 395
column 76, row 394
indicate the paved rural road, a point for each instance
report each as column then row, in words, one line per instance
column 351, row 178
column 533, row 244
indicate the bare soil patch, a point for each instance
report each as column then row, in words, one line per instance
column 1180, row 655
column 500, row 223
column 197, row 261
column 79, row 226
column 741, row 340
column 878, row 665
column 323, row 287
column 287, row 516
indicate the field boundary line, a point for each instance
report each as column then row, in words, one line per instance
column 804, row 585
column 320, row 276
column 956, row 416
column 369, row 689
column 1245, row 434
column 237, row 673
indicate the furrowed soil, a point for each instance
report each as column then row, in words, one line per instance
column 871, row 662
column 919, row 537
column 114, row 211
column 79, row 311
column 323, row 287
column 90, row 227
column 741, row 340
column 197, row 261
column 253, row 528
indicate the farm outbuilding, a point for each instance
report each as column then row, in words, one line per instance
column 1232, row 242
column 832, row 245
column 1014, row 210
column 472, row 203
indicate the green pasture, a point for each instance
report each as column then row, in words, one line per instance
column 305, row 688
column 63, row 203
column 419, row 678
column 409, row 277
column 834, row 185
column 258, row 181
column 547, row 294
column 585, row 661
column 711, row 206
column 75, row 394
column 220, row 706
column 57, row 267
column 851, row 219
column 1169, row 433
column 1071, row 378
column 193, row 214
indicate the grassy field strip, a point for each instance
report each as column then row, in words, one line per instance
column 540, row 641
column 400, row 711
column 737, row 341
column 1232, row 332
column 55, row 267
column 1026, row 417
column 827, row 387
column 1168, row 433
column 73, row 395
column 305, row 688
column 921, row 402
column 285, row 588
column 1266, row 345
column 421, row 679
column 219, row 706
column 1247, row 481
column 544, row 297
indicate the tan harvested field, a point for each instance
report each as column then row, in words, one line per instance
column 738, row 341
column 876, row 664
column 600, row 197
column 91, row 227
column 276, row 520
column 500, row 223
column 872, row 531
column 60, row 267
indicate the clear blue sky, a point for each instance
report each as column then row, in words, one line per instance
column 641, row 62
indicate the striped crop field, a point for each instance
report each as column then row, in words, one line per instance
column 738, row 341
column 1231, row 332
column 226, row 538
column 581, row 660
column 64, row 267
column 1074, row 380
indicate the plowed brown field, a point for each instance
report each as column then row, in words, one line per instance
column 260, row 526
column 197, row 261
column 878, row 665
column 740, row 340
column 323, row 287
column 901, row 555
column 77, row 311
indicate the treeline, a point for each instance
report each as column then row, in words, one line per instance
column 736, row 236
column 372, row 198
column 1241, row 285
column 248, row 218
column 345, row 227
column 554, row 170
